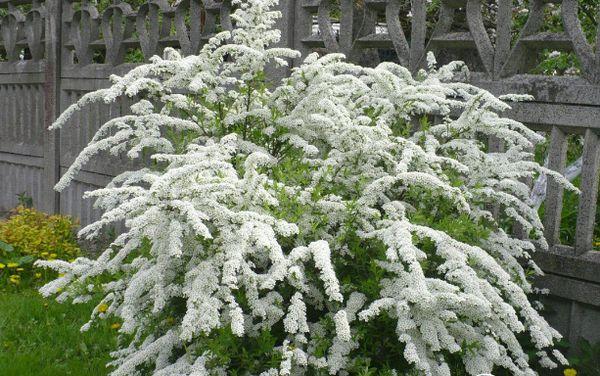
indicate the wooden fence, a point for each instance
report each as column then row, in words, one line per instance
column 54, row 51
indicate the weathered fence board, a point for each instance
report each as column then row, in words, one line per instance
column 54, row 51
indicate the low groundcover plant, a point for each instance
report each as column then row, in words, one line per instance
column 324, row 226
column 28, row 235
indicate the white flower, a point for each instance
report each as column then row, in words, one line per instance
column 268, row 209
column 342, row 327
column 554, row 54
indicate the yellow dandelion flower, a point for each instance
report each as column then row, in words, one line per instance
column 15, row 279
column 102, row 308
column 115, row 326
column 570, row 372
column 12, row 264
column 2, row 266
column 38, row 275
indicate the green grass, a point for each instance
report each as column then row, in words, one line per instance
column 41, row 337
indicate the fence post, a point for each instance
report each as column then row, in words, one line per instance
column 51, row 198
column 286, row 25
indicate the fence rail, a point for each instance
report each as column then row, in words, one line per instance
column 54, row 51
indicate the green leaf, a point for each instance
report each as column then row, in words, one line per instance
column 83, row 348
column 25, row 260
column 5, row 247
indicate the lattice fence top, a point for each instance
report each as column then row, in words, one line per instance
column 481, row 33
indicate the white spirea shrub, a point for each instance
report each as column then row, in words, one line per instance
column 338, row 222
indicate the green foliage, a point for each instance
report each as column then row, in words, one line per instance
column 587, row 359
column 570, row 199
column 134, row 56
column 247, row 355
column 28, row 235
column 25, row 200
column 566, row 62
column 557, row 64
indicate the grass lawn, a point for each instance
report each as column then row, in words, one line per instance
column 41, row 337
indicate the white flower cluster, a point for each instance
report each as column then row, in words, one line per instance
column 222, row 235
